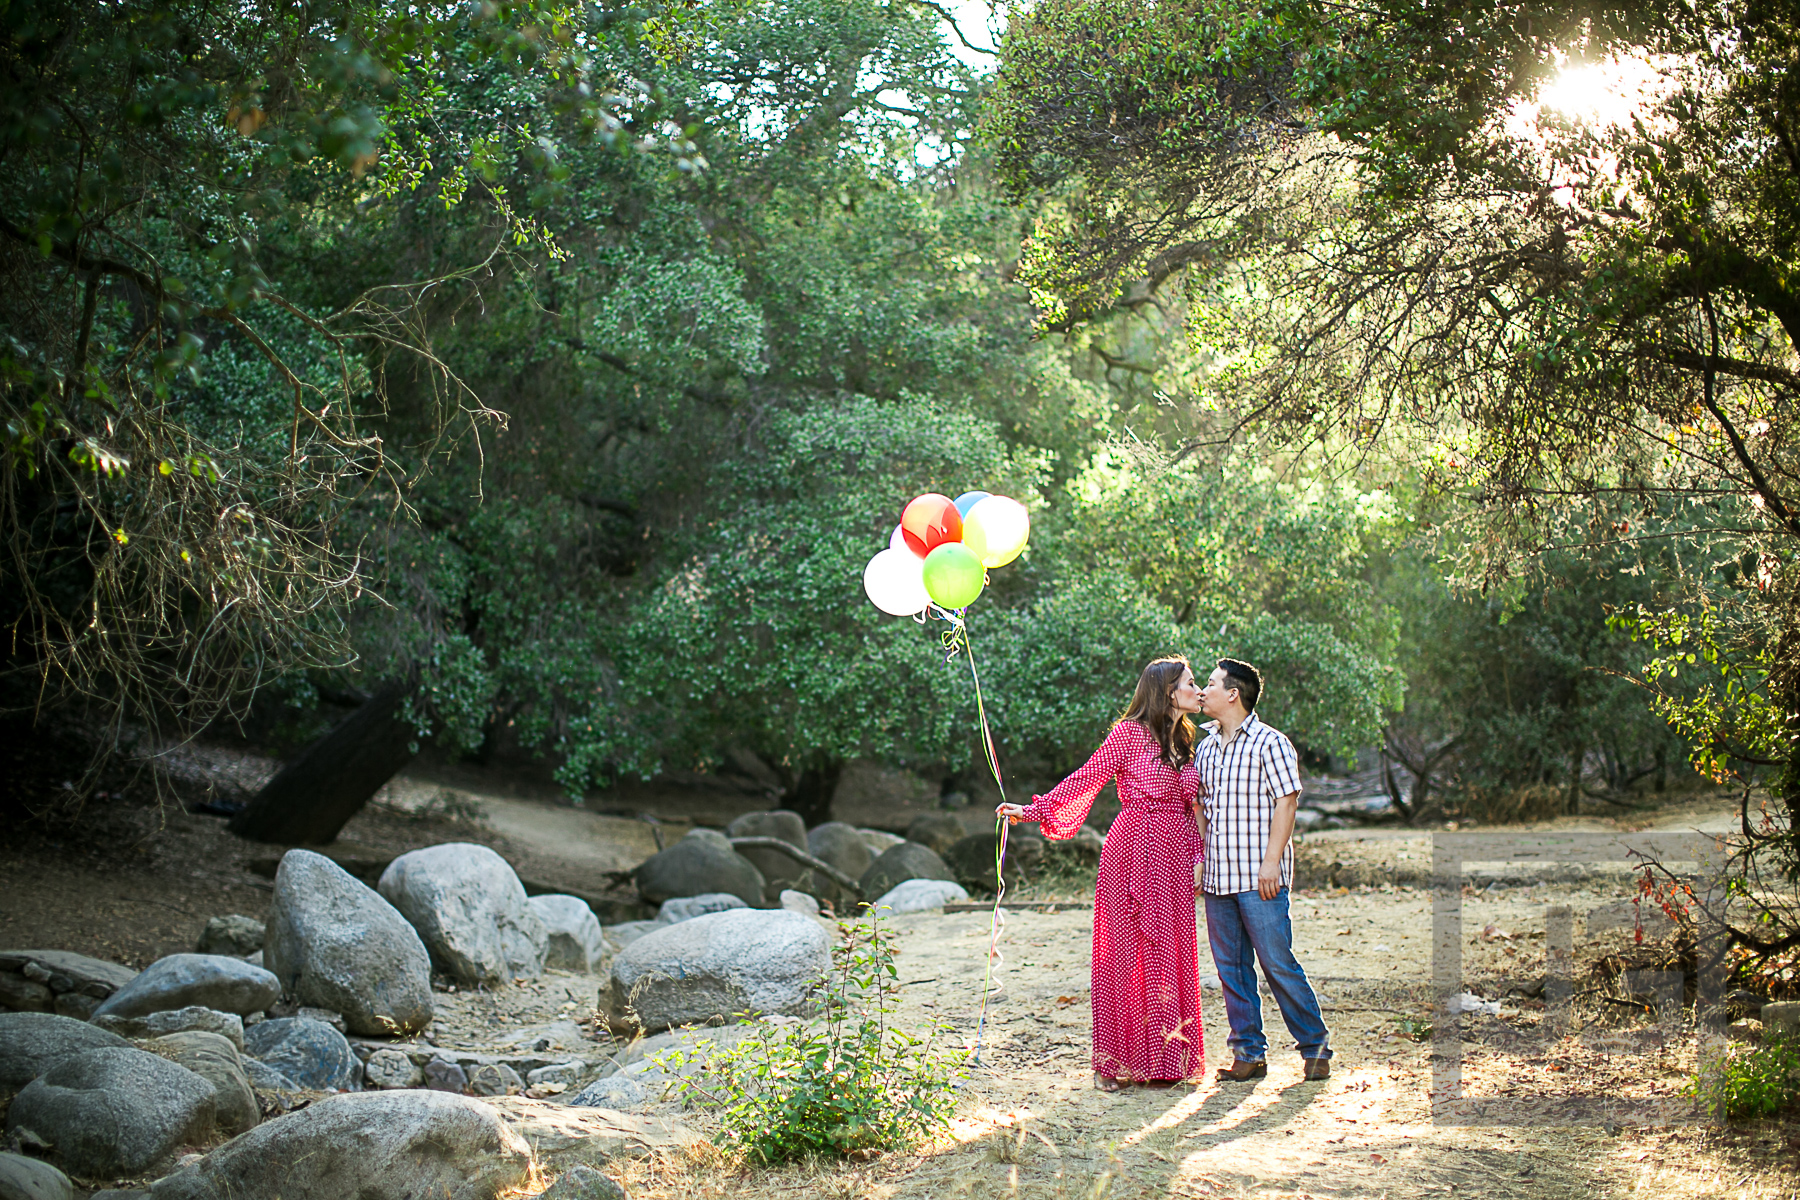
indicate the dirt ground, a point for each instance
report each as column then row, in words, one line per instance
column 130, row 882
column 1033, row 1126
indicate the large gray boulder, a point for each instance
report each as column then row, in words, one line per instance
column 368, row 1145
column 573, row 938
column 309, row 1052
column 215, row 1060
column 697, row 865
column 24, row 1178
column 214, row 981
column 114, row 1111
column 335, row 944
column 713, row 967
column 32, row 1043
column 971, row 859
column 908, row 860
column 935, row 831
column 470, row 910
column 919, row 895
column 778, row 870
column 840, row 845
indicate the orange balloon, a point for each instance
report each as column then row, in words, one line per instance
column 928, row 522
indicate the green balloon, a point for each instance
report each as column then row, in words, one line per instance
column 953, row 576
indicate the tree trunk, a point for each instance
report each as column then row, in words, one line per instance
column 317, row 793
column 810, row 796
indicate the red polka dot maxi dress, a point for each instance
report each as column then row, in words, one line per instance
column 1146, row 988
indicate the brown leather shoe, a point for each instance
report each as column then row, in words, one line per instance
column 1240, row 1070
column 1317, row 1068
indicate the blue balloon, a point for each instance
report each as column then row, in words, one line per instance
column 969, row 500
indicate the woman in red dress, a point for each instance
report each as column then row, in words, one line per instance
column 1146, row 988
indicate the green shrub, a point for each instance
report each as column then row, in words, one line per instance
column 1747, row 1082
column 852, row 1081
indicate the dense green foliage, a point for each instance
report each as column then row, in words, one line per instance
column 719, row 402
column 574, row 360
column 852, row 1080
column 203, row 343
column 1522, row 702
column 1539, row 258
column 1747, row 1082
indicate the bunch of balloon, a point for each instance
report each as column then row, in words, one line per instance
column 940, row 553
column 935, row 565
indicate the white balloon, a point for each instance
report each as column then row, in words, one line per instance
column 895, row 582
column 897, row 541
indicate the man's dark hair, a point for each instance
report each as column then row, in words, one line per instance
column 1245, row 678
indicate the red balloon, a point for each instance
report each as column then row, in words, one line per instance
column 930, row 521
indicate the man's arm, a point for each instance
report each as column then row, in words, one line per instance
column 1281, row 770
column 1281, row 828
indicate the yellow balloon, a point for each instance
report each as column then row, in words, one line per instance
column 996, row 530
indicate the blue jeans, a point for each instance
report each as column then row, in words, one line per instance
column 1237, row 924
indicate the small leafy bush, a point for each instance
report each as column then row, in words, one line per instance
column 1412, row 1028
column 1748, row 1082
column 851, row 1081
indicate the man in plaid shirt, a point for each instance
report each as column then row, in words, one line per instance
column 1250, row 776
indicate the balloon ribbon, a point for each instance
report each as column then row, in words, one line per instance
column 957, row 638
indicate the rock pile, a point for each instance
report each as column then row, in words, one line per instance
column 173, row 1056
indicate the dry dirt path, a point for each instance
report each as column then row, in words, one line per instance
column 1033, row 1126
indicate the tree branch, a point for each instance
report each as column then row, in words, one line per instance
column 802, row 857
column 1757, row 478
column 80, row 261
column 1724, row 365
column 1123, row 364
column 943, row 12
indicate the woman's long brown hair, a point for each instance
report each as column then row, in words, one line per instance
column 1150, row 708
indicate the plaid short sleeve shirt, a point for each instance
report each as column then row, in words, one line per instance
column 1242, row 781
